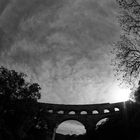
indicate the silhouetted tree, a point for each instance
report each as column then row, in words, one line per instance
column 13, row 86
column 136, row 94
column 127, row 49
column 129, row 17
column 17, row 98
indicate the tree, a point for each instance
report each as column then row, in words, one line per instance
column 127, row 49
column 18, row 100
column 129, row 17
column 14, row 87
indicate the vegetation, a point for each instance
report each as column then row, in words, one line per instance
column 127, row 49
column 17, row 103
column 14, row 87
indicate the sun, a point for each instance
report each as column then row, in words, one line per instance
column 120, row 94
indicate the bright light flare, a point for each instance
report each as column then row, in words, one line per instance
column 120, row 94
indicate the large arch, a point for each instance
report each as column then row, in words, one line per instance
column 75, row 127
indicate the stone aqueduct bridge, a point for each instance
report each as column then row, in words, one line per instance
column 52, row 115
column 89, row 115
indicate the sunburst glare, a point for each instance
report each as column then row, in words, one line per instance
column 120, row 94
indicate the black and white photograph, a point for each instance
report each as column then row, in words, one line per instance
column 69, row 69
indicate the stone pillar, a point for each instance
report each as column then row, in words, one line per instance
column 52, row 132
column 91, row 132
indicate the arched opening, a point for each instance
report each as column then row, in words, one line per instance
column 83, row 112
column 95, row 112
column 101, row 123
column 60, row 112
column 106, row 111
column 116, row 109
column 70, row 128
column 72, row 113
column 50, row 111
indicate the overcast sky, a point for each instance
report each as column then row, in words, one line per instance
column 62, row 44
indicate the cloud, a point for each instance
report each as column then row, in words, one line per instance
column 63, row 45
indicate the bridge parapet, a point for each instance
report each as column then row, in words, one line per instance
column 89, row 109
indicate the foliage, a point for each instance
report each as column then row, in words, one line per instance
column 137, row 95
column 18, row 100
column 129, row 17
column 14, row 86
column 127, row 59
column 127, row 49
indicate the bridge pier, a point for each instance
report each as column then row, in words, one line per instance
column 90, row 132
column 54, row 133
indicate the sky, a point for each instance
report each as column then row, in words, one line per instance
column 62, row 45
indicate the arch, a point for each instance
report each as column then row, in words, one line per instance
column 71, row 127
column 116, row 109
column 60, row 112
column 83, row 112
column 95, row 112
column 50, row 111
column 72, row 113
column 101, row 122
column 106, row 111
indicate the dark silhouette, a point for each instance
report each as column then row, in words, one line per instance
column 14, row 87
column 15, row 90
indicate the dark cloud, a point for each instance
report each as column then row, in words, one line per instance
column 64, row 45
